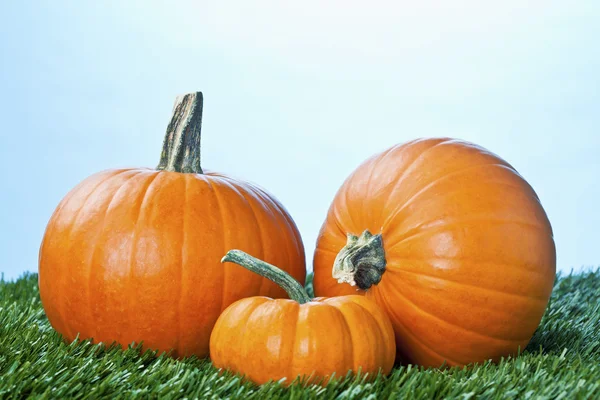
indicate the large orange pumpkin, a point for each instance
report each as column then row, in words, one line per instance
column 451, row 241
column 269, row 340
column 134, row 254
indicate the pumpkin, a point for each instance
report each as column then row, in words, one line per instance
column 450, row 241
column 133, row 255
column 282, row 339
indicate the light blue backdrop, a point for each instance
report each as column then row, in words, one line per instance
column 296, row 96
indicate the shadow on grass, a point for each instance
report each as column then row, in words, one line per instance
column 553, row 341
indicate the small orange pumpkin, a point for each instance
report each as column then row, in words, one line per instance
column 451, row 241
column 269, row 340
column 134, row 255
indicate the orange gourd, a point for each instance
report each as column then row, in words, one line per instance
column 265, row 339
column 451, row 241
column 134, row 254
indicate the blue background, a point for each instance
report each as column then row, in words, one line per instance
column 296, row 96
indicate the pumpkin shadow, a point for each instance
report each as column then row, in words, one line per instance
column 553, row 341
column 547, row 341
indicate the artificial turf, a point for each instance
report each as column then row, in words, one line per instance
column 562, row 361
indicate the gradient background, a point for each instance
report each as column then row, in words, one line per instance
column 296, row 96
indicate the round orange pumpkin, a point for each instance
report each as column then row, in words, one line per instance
column 451, row 241
column 269, row 340
column 134, row 254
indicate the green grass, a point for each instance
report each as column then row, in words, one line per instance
column 562, row 361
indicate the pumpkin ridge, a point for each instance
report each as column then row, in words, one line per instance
column 395, row 214
column 145, row 190
column 261, row 235
column 434, row 227
column 94, row 247
column 348, row 215
column 242, row 343
column 274, row 209
column 334, row 305
column 492, row 220
column 404, row 173
column 249, row 327
column 291, row 372
column 325, row 250
column 390, row 312
column 241, row 193
column 56, row 214
column 225, row 245
column 506, row 265
column 383, row 155
column 419, row 309
column 293, row 367
column 87, row 197
column 458, row 324
column 184, row 224
column 495, row 183
column 336, row 218
column 376, row 164
column 380, row 327
column 288, row 222
column 81, row 184
column 433, row 183
column 375, row 161
column 429, row 276
column 497, row 263
column 62, row 303
column 249, row 332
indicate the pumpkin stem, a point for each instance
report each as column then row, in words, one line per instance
column 294, row 289
column 361, row 262
column 181, row 147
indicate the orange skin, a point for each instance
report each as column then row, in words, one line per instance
column 267, row 340
column 470, row 254
column 134, row 255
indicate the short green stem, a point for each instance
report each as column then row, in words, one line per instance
column 294, row 289
column 181, row 147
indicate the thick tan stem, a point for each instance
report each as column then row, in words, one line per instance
column 181, row 147
column 361, row 262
